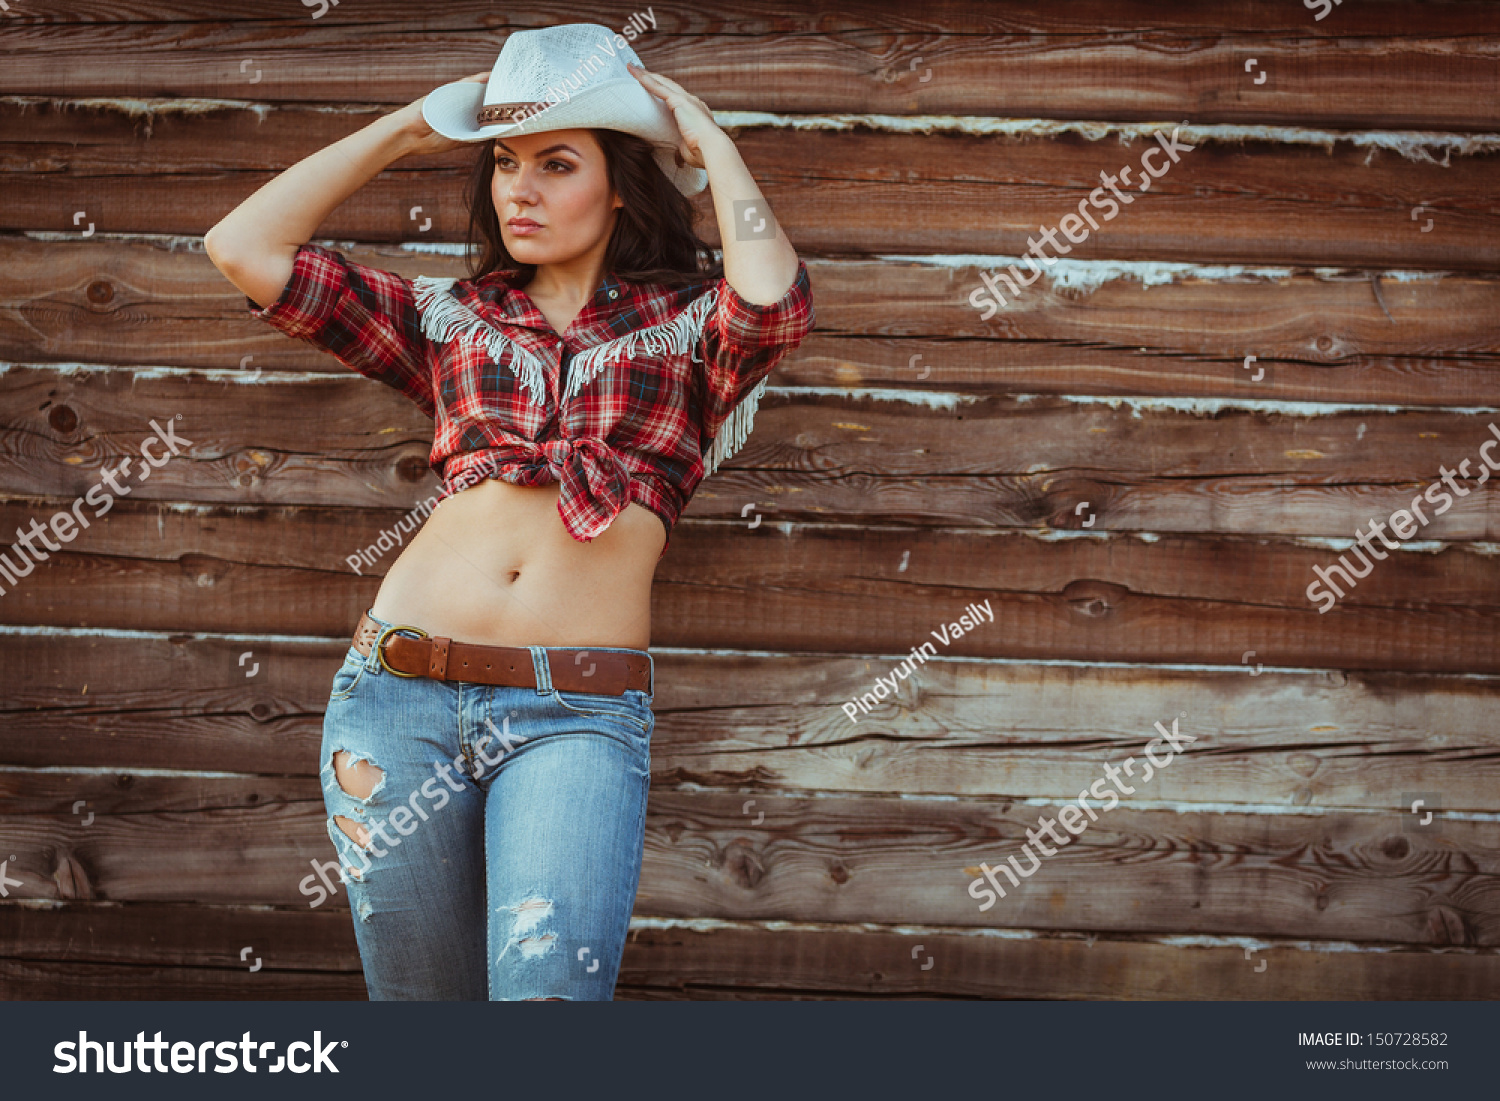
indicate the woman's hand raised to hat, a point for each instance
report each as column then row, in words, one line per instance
column 422, row 138
column 694, row 120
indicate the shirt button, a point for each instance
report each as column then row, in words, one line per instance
column 614, row 294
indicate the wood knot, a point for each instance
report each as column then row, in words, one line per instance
column 838, row 872
column 410, row 468
column 1093, row 598
column 100, row 292
column 62, row 419
column 1445, row 926
column 72, row 881
column 1395, row 848
column 744, row 865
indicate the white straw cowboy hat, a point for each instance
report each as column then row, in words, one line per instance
column 558, row 78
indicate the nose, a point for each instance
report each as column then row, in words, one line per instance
column 523, row 186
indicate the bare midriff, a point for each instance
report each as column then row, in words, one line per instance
column 494, row 565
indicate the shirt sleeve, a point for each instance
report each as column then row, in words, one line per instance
column 365, row 317
column 743, row 341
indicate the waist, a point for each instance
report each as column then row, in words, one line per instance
column 494, row 564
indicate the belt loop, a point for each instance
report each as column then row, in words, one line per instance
column 372, row 659
column 651, row 665
column 543, row 670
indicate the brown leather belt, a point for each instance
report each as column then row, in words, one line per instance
column 572, row 668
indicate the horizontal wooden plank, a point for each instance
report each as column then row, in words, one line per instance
column 892, row 325
column 822, row 588
column 860, row 456
column 712, row 960
column 1428, row 64
column 99, row 944
column 316, row 943
column 1227, row 200
column 1337, row 876
column 768, row 723
column 29, row 980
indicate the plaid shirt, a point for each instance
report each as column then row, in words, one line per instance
column 642, row 397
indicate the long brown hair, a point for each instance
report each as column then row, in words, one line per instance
column 654, row 239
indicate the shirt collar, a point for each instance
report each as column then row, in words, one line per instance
column 516, row 307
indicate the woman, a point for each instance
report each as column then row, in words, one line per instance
column 487, row 741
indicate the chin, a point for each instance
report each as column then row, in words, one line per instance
column 525, row 250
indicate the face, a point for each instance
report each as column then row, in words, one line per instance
column 552, row 195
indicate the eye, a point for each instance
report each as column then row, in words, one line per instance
column 564, row 165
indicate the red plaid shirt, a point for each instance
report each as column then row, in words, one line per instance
column 655, row 376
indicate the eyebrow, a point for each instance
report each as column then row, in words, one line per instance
column 543, row 152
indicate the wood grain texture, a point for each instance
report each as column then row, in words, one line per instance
column 91, row 950
column 1088, row 60
column 1094, row 460
column 798, row 588
column 903, row 325
column 890, row 860
column 863, row 456
column 1261, row 201
column 1295, row 741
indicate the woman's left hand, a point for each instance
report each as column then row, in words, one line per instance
column 694, row 120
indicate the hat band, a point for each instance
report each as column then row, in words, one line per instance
column 507, row 112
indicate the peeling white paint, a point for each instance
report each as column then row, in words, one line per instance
column 1424, row 546
column 169, row 241
column 112, row 772
column 188, row 105
column 1090, row 275
column 945, row 400
column 440, row 248
column 1262, row 405
column 1414, row 145
column 1424, row 146
column 1283, row 810
column 832, row 928
column 161, row 636
column 238, row 375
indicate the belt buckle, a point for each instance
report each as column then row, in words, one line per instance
column 380, row 647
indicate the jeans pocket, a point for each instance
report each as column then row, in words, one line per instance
column 348, row 676
column 631, row 707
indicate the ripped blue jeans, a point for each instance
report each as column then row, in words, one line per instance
column 498, row 852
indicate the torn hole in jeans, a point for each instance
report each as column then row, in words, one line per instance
column 523, row 932
column 360, row 779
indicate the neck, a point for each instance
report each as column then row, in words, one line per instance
column 571, row 281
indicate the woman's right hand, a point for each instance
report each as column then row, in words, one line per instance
column 422, row 138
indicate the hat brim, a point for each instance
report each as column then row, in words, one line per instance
column 612, row 105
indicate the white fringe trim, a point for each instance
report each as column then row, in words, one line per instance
column 445, row 318
column 735, row 430
column 675, row 337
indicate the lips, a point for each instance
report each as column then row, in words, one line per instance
column 523, row 227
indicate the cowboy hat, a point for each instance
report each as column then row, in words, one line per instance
column 558, row 78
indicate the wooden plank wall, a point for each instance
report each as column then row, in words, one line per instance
column 1096, row 460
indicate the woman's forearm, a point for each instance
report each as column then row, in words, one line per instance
column 760, row 270
column 255, row 244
